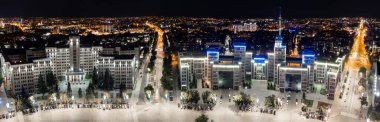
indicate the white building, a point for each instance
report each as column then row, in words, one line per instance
column 245, row 27
column 190, row 66
column 22, row 68
column 259, row 68
column 121, row 67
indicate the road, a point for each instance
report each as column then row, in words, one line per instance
column 158, row 62
column 4, row 100
column 349, row 105
column 143, row 80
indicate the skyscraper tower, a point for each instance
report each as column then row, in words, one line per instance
column 279, row 50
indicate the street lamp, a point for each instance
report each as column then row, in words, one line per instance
column 257, row 100
column 166, row 95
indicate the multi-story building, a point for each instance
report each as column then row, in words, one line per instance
column 192, row 66
column 232, row 69
column 19, row 73
column 22, row 68
column 244, row 27
column 121, row 67
column 259, row 68
column 218, row 71
column 328, row 74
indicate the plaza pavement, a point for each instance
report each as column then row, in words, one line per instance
column 168, row 111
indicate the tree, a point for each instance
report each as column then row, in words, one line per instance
column 271, row 101
column 69, row 92
column 370, row 109
column 90, row 91
column 50, row 80
column 363, row 101
column 108, row 81
column 25, row 98
column 41, row 85
column 95, row 78
column 243, row 99
column 56, row 89
column 121, row 89
column 202, row 118
column 111, row 81
column 91, row 87
column 149, row 88
column 80, row 92
column 304, row 109
column 23, row 93
column 193, row 84
column 166, row 83
column 207, row 97
column 303, row 95
column 362, row 85
column 192, row 96
column 1, row 80
column 320, row 111
column 363, row 70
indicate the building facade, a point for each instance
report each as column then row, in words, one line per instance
column 22, row 68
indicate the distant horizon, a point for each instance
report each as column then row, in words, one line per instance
column 194, row 8
column 190, row 17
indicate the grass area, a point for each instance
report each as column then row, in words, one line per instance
column 308, row 103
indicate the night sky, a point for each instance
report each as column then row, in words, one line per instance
column 191, row 8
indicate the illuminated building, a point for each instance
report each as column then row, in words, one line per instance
column 376, row 70
column 245, row 27
column 191, row 66
column 259, row 68
column 219, row 71
column 19, row 72
column 278, row 56
column 328, row 74
column 74, row 74
column 121, row 67
column 72, row 63
column 240, row 53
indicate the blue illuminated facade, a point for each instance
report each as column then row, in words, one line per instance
column 213, row 55
column 259, row 59
column 308, row 57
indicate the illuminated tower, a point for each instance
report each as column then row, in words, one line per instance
column 212, row 57
column 240, row 50
column 279, row 50
column 74, row 53
column 74, row 74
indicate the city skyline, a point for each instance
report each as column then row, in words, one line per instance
column 186, row 61
column 197, row 8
